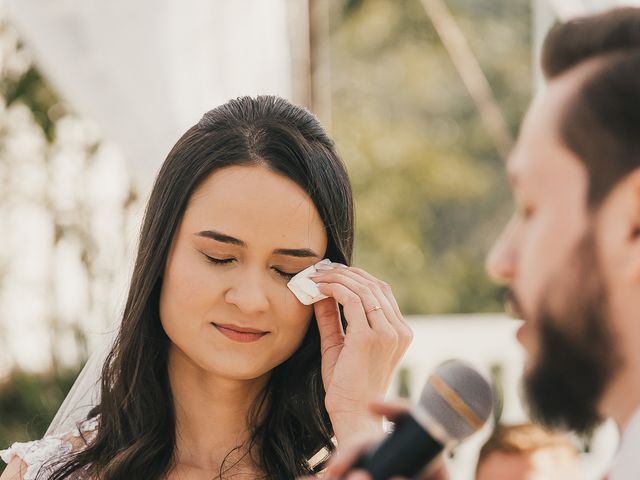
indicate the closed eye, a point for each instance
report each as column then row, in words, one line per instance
column 228, row 261
column 285, row 275
column 219, row 261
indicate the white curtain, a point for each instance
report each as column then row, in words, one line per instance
column 146, row 70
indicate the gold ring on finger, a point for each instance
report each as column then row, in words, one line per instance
column 373, row 309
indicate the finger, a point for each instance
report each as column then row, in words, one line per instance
column 358, row 475
column 351, row 305
column 384, row 286
column 390, row 410
column 330, row 328
column 382, row 290
column 394, row 339
column 377, row 318
column 328, row 319
column 343, row 460
column 436, row 470
column 361, row 286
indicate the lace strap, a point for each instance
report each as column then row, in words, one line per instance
column 36, row 454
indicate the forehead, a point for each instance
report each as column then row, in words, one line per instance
column 258, row 206
column 540, row 158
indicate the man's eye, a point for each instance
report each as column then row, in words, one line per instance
column 219, row 261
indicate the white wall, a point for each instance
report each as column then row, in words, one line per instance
column 146, row 70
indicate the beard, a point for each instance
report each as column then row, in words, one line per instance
column 577, row 357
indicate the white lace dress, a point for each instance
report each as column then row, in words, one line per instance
column 37, row 453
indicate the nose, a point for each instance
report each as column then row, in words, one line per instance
column 501, row 262
column 248, row 294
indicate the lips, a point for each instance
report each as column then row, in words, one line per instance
column 512, row 304
column 240, row 334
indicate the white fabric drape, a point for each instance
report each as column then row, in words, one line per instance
column 145, row 70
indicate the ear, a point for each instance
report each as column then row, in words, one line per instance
column 631, row 217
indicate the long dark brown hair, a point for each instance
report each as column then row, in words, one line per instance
column 136, row 438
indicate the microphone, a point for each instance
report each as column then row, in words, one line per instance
column 455, row 402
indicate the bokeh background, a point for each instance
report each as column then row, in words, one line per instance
column 423, row 98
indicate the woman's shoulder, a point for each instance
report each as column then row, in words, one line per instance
column 36, row 454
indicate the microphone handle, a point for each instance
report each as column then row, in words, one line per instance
column 405, row 452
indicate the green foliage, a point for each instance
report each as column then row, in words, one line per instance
column 30, row 88
column 429, row 185
column 28, row 403
column 430, row 192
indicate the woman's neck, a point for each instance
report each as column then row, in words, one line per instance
column 211, row 415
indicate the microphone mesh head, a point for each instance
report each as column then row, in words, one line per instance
column 458, row 398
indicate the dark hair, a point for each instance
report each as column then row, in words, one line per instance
column 601, row 123
column 136, row 435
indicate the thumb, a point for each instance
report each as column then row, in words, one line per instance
column 329, row 324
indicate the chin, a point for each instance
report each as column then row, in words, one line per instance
column 238, row 369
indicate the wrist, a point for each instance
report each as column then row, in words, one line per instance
column 353, row 428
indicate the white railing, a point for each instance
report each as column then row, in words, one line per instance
column 488, row 342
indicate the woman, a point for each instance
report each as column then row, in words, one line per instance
column 218, row 370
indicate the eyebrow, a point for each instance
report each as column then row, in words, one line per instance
column 292, row 252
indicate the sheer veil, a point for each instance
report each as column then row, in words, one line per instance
column 85, row 392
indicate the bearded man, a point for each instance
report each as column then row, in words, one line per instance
column 571, row 253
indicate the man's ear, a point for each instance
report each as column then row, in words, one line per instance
column 633, row 225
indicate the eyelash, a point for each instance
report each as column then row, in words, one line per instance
column 227, row 261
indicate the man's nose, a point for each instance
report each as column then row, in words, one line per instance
column 501, row 261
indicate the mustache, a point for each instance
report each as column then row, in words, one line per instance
column 512, row 304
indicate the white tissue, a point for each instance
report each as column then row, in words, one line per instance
column 304, row 288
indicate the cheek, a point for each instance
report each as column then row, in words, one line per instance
column 294, row 320
column 545, row 256
column 533, row 267
column 188, row 291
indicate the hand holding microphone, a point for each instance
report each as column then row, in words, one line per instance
column 455, row 402
column 342, row 464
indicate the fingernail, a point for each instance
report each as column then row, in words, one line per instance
column 359, row 475
column 314, row 275
column 324, row 266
